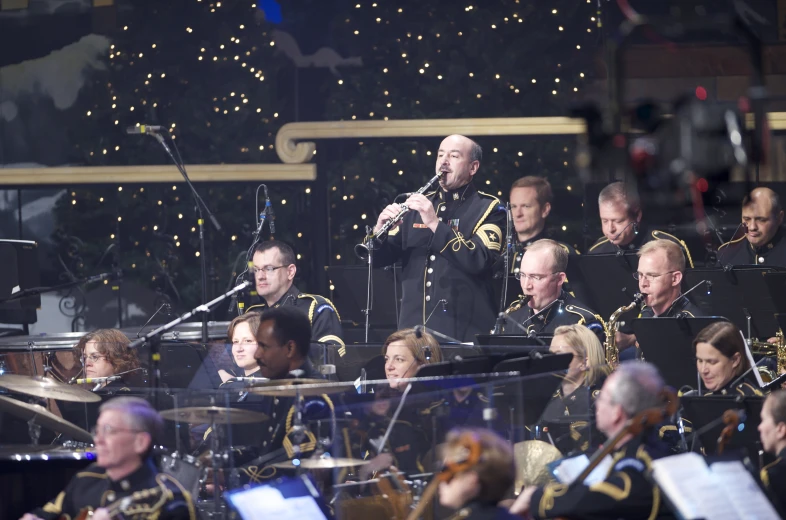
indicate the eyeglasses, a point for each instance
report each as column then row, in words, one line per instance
column 109, row 430
column 94, row 358
column 268, row 269
column 649, row 276
column 533, row 277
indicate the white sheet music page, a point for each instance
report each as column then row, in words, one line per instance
column 743, row 492
column 690, row 486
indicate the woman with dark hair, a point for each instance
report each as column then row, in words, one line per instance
column 721, row 359
column 241, row 334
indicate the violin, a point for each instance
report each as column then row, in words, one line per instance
column 472, row 453
column 731, row 419
column 634, row 426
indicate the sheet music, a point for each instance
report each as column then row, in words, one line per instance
column 724, row 491
column 569, row 469
column 265, row 502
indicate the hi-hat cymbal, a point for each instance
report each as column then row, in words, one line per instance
column 44, row 417
column 206, row 414
column 531, row 460
column 322, row 463
column 47, row 388
column 294, row 387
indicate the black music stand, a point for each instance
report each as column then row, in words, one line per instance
column 349, row 293
column 737, row 293
column 702, row 410
column 776, row 286
column 667, row 343
column 608, row 280
column 536, row 392
column 513, row 340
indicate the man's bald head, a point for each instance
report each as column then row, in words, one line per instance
column 458, row 159
column 762, row 214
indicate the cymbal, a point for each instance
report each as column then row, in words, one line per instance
column 206, row 414
column 531, row 458
column 289, row 387
column 44, row 417
column 322, row 463
column 47, row 388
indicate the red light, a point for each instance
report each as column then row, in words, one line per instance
column 702, row 185
column 701, row 93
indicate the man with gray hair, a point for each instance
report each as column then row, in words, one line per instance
column 625, row 492
column 124, row 472
column 544, row 304
column 621, row 220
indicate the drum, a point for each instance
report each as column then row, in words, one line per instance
column 30, row 476
column 185, row 469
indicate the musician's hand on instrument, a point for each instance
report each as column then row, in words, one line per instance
column 101, row 513
column 419, row 203
column 773, row 340
column 378, row 463
column 388, row 213
column 625, row 340
column 521, row 506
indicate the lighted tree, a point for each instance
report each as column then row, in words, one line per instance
column 448, row 59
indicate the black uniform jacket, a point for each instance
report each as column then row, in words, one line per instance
column 773, row 477
column 520, row 247
column 323, row 316
column 482, row 511
column 447, row 275
column 152, row 494
column 573, row 311
column 741, row 252
column 603, row 246
column 682, row 307
column 624, row 493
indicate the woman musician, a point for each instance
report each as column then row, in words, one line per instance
column 242, row 335
column 721, row 360
column 569, row 415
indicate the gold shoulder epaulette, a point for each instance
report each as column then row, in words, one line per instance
column 315, row 302
column 488, row 195
column 600, row 242
column 260, row 307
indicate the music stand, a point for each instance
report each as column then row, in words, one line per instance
column 667, row 343
column 738, row 293
column 776, row 286
column 536, row 392
column 349, row 293
column 513, row 340
column 702, row 410
column 608, row 280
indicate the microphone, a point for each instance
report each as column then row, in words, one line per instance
column 90, row 380
column 144, row 129
column 635, row 231
column 418, row 331
column 270, row 213
column 247, row 379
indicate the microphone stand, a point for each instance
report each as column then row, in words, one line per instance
column 153, row 338
column 370, row 281
column 686, row 293
column 35, row 291
column 508, row 252
column 523, row 323
column 200, row 205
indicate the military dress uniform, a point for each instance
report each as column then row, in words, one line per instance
column 322, row 314
column 520, row 247
column 151, row 495
column 573, row 312
column 570, row 419
column 477, row 510
column 626, row 492
column 85, row 415
column 447, row 275
column 449, row 412
column 682, row 307
column 603, row 246
column 741, row 252
column 773, row 477
column 743, row 388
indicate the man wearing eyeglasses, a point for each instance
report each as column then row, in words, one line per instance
column 762, row 243
column 544, row 305
column 274, row 272
column 125, row 434
column 660, row 272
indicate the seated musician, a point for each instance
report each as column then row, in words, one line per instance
column 626, row 491
column 578, row 391
column 762, row 243
column 284, row 338
column 721, row 360
column 620, row 211
column 104, row 353
column 772, row 430
column 660, row 272
column 405, row 351
column 478, row 480
column 542, row 275
column 124, row 471
column 242, row 335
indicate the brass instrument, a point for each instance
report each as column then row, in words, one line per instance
column 777, row 350
column 362, row 250
column 612, row 352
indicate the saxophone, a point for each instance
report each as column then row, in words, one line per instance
column 612, row 352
